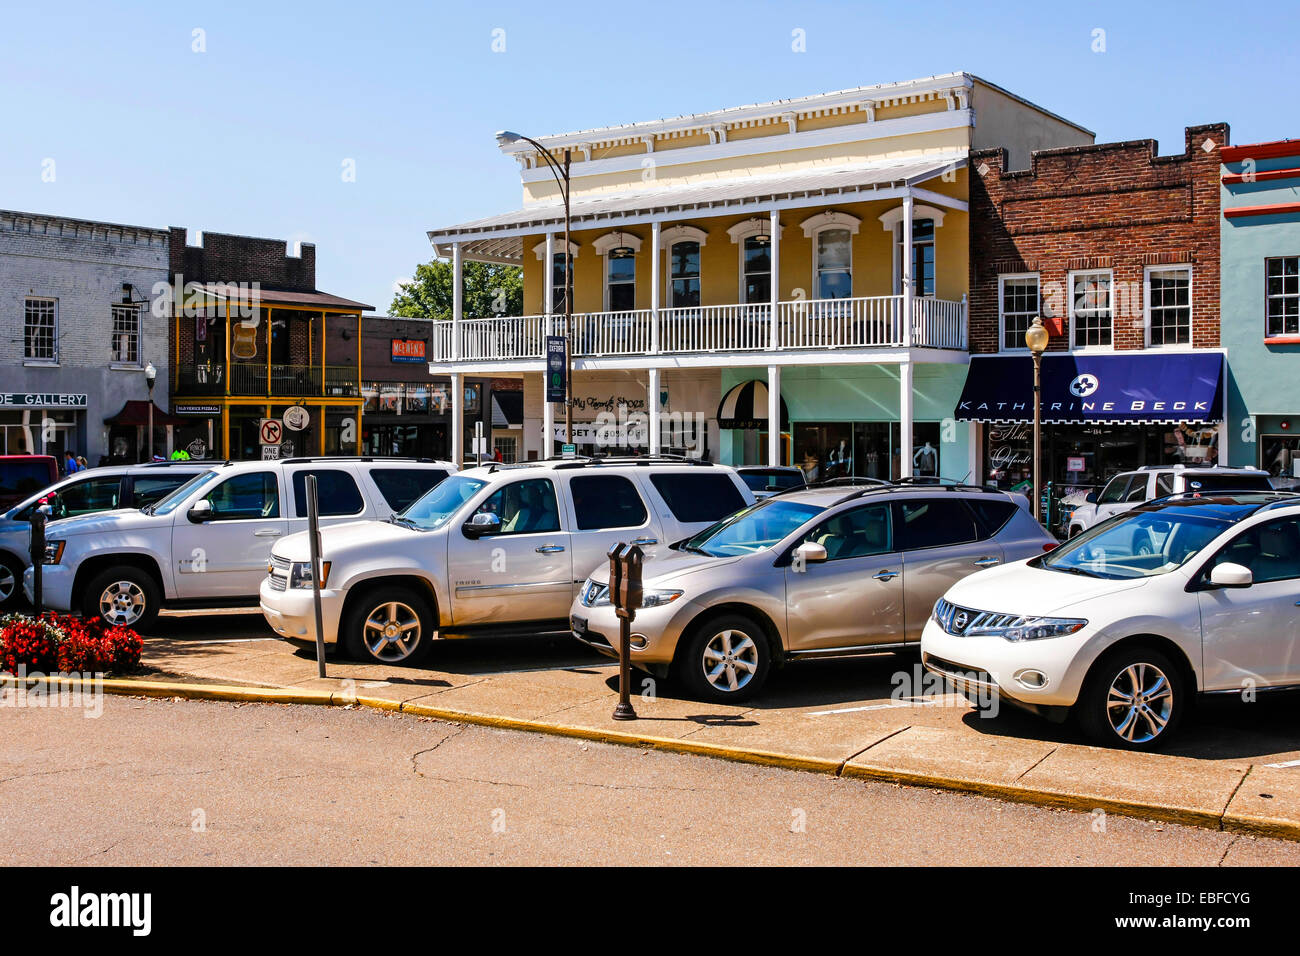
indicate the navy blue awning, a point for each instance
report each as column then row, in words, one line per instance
column 1148, row 387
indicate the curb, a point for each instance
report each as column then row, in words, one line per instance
column 1274, row 827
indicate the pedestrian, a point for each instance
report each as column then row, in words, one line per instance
column 70, row 465
column 82, row 465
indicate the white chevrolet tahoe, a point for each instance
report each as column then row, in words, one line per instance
column 492, row 549
column 207, row 543
column 1129, row 489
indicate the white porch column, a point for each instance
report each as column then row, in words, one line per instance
column 773, row 415
column 458, row 418
column 905, row 272
column 654, row 289
column 905, row 419
column 548, row 328
column 457, row 300
column 652, row 402
column 774, row 253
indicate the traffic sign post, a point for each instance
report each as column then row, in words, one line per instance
column 625, row 594
column 37, row 552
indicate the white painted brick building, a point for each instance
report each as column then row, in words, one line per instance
column 77, row 329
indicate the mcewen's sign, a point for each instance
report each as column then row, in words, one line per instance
column 408, row 350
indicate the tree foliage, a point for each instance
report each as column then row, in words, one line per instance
column 490, row 289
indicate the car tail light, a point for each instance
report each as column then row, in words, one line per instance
column 1050, row 546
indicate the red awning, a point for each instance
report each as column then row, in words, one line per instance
column 137, row 413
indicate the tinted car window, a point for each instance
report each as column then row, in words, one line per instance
column 1164, row 485
column 699, row 497
column 1137, row 489
column 23, row 477
column 858, row 533
column 524, row 507
column 932, row 522
column 151, row 488
column 772, row 480
column 87, row 497
column 336, row 493
column 254, row 495
column 402, row 486
column 1227, row 482
column 991, row 514
column 1270, row 550
column 1114, row 492
column 606, row 501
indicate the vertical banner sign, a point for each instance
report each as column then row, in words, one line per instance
column 556, row 369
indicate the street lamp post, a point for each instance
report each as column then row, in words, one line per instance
column 1036, row 339
column 150, row 376
column 561, row 173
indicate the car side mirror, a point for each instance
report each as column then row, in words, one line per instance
column 1091, row 498
column 810, row 552
column 200, row 511
column 1229, row 575
column 485, row 522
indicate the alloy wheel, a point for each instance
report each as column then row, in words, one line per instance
column 122, row 602
column 391, row 632
column 730, row 660
column 1139, row 703
column 8, row 583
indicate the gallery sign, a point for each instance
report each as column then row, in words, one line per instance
column 42, row 400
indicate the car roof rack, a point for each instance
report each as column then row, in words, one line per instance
column 371, row 458
column 171, row 461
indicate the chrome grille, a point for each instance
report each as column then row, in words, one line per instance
column 593, row 592
column 959, row 621
column 279, row 583
column 279, row 563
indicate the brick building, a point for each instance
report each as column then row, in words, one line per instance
column 252, row 336
column 1117, row 248
column 77, row 330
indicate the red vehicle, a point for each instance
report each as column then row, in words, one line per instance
column 24, row 475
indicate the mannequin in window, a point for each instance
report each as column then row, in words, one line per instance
column 926, row 460
column 837, row 462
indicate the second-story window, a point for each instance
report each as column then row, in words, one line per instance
column 1282, row 295
column 834, row 264
column 620, row 279
column 1091, row 309
column 922, row 256
column 40, row 330
column 125, row 343
column 684, row 274
column 1169, row 306
column 1018, row 304
column 558, row 283
column 756, row 261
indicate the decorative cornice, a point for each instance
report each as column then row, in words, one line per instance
column 830, row 218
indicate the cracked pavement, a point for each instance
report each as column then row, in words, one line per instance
column 191, row 782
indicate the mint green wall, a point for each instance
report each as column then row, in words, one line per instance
column 866, row 393
column 1262, row 379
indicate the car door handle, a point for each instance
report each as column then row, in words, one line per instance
column 987, row 562
column 267, row 533
column 644, row 541
column 549, row 549
column 885, row 575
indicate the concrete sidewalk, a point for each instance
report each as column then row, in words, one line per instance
column 848, row 719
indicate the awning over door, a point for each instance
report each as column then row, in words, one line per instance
column 136, row 412
column 745, row 406
column 1098, row 389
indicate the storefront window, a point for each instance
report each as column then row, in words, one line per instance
column 1279, row 455
column 417, row 399
column 824, row 450
column 390, row 399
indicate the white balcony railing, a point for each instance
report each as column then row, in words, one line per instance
column 872, row 322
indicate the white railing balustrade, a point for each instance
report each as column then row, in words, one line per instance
column 866, row 322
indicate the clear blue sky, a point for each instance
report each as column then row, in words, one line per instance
column 250, row 136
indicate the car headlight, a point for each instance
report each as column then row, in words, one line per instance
column 53, row 552
column 595, row 594
column 1028, row 628
column 300, row 574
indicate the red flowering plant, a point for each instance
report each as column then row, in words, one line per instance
column 62, row 643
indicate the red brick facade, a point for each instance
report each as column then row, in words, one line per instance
column 1115, row 206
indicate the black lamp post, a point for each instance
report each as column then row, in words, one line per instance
column 1036, row 339
column 150, row 376
column 561, row 173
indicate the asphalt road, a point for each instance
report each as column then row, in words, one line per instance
column 159, row 782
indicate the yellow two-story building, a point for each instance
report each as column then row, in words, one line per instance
column 782, row 283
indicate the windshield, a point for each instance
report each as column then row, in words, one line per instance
column 754, row 529
column 1136, row 544
column 771, row 480
column 440, row 503
column 173, row 501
